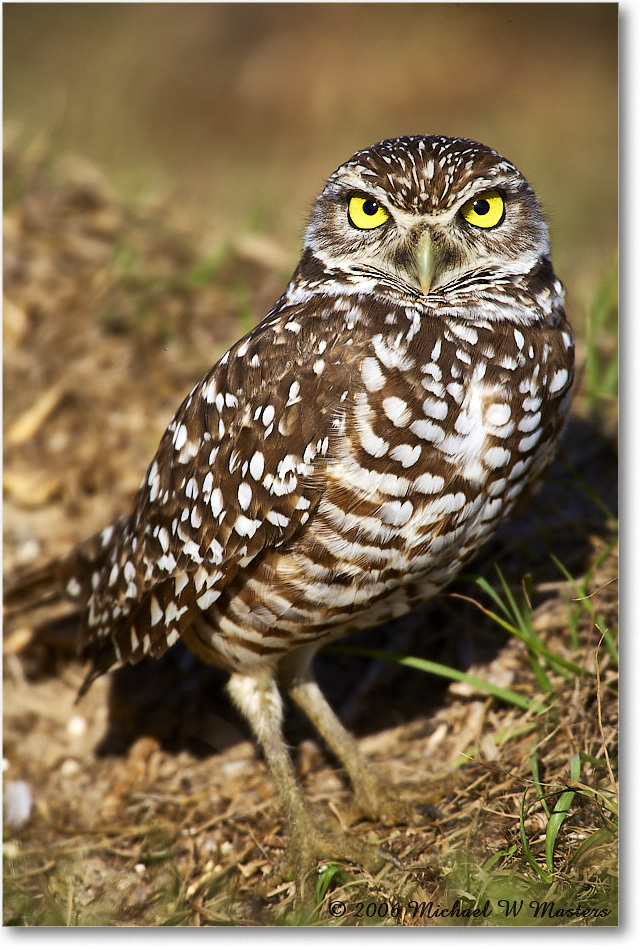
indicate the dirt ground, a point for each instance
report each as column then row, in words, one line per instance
column 147, row 802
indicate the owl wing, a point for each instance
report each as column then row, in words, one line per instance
column 239, row 471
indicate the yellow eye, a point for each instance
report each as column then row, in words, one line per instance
column 366, row 213
column 484, row 211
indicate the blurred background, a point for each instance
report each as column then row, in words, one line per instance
column 160, row 162
column 239, row 111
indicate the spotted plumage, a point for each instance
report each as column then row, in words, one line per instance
column 343, row 461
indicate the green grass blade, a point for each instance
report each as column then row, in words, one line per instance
column 538, row 783
column 492, row 593
column 490, row 862
column 560, row 661
column 528, row 634
column 560, row 812
column 328, row 874
column 542, row 679
column 530, row 857
column 600, row 837
column 524, row 623
column 537, row 647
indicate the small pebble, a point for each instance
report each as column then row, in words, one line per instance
column 77, row 726
column 17, row 804
column 29, row 551
column 231, row 769
column 10, row 850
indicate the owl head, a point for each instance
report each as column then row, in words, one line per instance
column 428, row 216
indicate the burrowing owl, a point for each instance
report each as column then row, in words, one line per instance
column 343, row 460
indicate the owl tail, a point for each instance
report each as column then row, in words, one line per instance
column 35, row 588
column 69, row 579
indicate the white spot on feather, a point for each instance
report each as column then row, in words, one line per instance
column 497, row 457
column 156, row 614
column 246, row 527
column 208, row 598
column 405, row 453
column 435, row 408
column 180, row 582
column 216, row 502
column 180, row 437
column 106, row 535
column 429, row 484
column 278, row 519
column 498, row 414
column 397, row 410
column 529, row 441
column 73, row 587
column 427, row 430
column 396, row 512
column 257, row 465
column 244, row 495
column 530, row 422
column 558, row 381
column 200, row 578
column 373, row 378
column 209, row 391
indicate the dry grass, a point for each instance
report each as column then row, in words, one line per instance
column 150, row 805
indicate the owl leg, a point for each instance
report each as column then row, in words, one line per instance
column 376, row 799
column 309, row 840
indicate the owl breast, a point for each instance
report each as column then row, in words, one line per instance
column 440, row 430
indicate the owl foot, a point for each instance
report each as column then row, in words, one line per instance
column 312, row 841
column 375, row 798
column 385, row 803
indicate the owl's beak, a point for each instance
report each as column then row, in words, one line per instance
column 425, row 261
